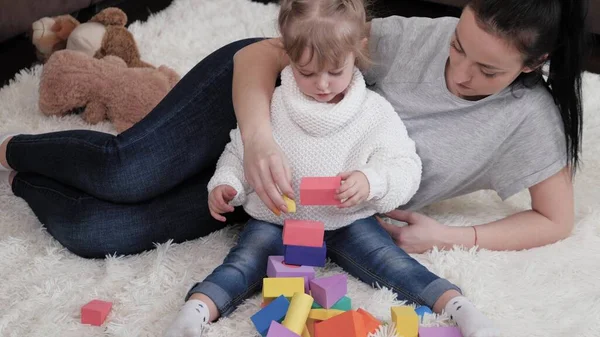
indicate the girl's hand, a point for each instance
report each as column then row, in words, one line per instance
column 218, row 201
column 267, row 171
column 354, row 190
column 421, row 234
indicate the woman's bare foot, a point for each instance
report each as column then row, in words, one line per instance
column 3, row 146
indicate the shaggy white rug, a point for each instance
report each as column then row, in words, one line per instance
column 549, row 291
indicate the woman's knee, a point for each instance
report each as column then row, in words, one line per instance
column 235, row 46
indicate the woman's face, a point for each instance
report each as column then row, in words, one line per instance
column 480, row 63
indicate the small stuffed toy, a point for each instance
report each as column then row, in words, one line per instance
column 50, row 34
column 104, row 34
column 106, row 88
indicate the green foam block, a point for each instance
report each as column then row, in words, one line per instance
column 344, row 304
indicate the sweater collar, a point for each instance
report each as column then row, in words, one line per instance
column 321, row 119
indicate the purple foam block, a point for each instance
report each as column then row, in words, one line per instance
column 306, row 256
column 277, row 268
column 278, row 330
column 328, row 290
column 443, row 331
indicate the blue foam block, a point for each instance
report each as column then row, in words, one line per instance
column 274, row 311
column 422, row 310
column 305, row 256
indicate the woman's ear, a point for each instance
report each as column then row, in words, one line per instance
column 538, row 65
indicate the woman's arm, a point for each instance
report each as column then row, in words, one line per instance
column 255, row 71
column 256, row 68
column 550, row 219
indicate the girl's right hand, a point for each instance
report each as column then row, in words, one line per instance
column 218, row 201
column 268, row 172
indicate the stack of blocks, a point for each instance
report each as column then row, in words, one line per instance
column 296, row 303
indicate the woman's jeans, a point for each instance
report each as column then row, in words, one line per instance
column 100, row 194
column 364, row 249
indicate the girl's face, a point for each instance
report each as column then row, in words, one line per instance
column 327, row 85
column 480, row 63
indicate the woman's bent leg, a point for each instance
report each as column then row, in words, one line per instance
column 94, row 228
column 182, row 136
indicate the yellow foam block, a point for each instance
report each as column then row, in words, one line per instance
column 323, row 314
column 290, row 203
column 406, row 320
column 295, row 318
column 274, row 287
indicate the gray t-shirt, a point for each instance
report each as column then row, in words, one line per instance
column 506, row 142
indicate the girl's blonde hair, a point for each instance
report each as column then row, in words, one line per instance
column 330, row 29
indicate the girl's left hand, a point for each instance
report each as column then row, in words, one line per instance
column 354, row 190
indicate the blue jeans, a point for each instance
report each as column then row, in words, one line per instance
column 364, row 249
column 100, row 194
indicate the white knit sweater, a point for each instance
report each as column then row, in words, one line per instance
column 362, row 132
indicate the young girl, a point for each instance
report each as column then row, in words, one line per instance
column 328, row 123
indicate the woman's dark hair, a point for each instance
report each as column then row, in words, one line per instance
column 540, row 28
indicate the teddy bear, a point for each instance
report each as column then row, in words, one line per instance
column 105, row 88
column 104, row 34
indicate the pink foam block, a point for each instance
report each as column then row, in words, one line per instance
column 277, row 268
column 319, row 191
column 95, row 312
column 328, row 290
column 303, row 233
column 278, row 330
column 444, row 331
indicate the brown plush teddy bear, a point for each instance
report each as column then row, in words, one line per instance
column 104, row 34
column 106, row 87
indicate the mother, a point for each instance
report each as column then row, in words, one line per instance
column 470, row 92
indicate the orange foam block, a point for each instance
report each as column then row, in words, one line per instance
column 371, row 323
column 95, row 312
column 310, row 326
column 303, row 233
column 319, row 191
column 348, row 324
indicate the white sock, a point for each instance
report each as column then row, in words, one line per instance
column 190, row 321
column 470, row 321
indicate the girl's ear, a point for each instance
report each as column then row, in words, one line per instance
column 540, row 63
column 364, row 43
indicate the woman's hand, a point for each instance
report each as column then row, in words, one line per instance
column 421, row 234
column 267, row 171
column 218, row 201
